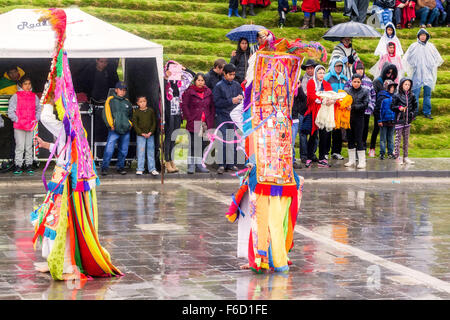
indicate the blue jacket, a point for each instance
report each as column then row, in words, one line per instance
column 337, row 81
column 387, row 116
column 223, row 92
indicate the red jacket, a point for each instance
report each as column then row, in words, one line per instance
column 193, row 105
column 311, row 97
column 311, row 6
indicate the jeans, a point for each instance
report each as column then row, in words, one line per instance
column 426, row 108
column 386, row 134
column 442, row 18
column 384, row 15
column 145, row 145
column 123, row 142
column 423, row 13
column 295, row 126
column 228, row 159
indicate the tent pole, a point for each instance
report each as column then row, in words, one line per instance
column 161, row 136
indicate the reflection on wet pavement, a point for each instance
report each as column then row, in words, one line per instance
column 173, row 242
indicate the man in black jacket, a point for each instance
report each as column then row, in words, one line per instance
column 215, row 74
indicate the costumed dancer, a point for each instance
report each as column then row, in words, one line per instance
column 67, row 220
column 267, row 203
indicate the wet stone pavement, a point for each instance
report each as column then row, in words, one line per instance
column 353, row 240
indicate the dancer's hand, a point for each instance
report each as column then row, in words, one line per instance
column 41, row 143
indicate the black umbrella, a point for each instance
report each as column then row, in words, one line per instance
column 351, row 29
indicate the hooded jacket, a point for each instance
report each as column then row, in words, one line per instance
column 212, row 78
column 378, row 83
column 404, row 99
column 384, row 102
column 337, row 81
column 8, row 86
column 118, row 113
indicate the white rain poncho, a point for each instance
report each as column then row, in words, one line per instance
column 421, row 61
column 395, row 59
column 385, row 39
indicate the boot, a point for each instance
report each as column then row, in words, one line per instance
column 174, row 167
column 244, row 11
column 305, row 23
column 313, row 21
column 251, row 12
column 330, row 21
column 230, row 12
column 168, row 166
column 361, row 159
column 236, row 12
column 199, row 168
column 294, row 9
column 190, row 168
column 351, row 158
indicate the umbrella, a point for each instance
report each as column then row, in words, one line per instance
column 351, row 29
column 248, row 31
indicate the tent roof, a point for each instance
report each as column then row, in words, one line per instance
column 87, row 37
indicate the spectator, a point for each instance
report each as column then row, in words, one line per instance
column 233, row 7
column 96, row 80
column 404, row 105
column 298, row 110
column 447, row 9
column 24, row 110
column 422, row 60
column 198, row 110
column 405, row 13
column 356, row 10
column 117, row 115
column 442, row 18
column 336, row 78
column 9, row 81
column 309, row 8
column 240, row 60
column 360, row 97
column 389, row 35
column 345, row 52
column 250, row 4
column 327, row 6
column 427, row 11
column 384, row 10
column 386, row 119
column 227, row 95
column 215, row 74
column 305, row 143
column 314, row 102
column 390, row 57
column 283, row 9
column 389, row 72
column 144, row 123
column 366, row 83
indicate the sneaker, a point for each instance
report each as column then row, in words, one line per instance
column 371, row 153
column 29, row 170
column 233, row 168
column 139, row 173
column 221, row 170
column 18, row 170
column 381, row 156
column 398, row 160
column 154, row 173
column 428, row 116
column 323, row 164
column 304, row 160
column 308, row 163
column 315, row 159
column 104, row 172
column 121, row 171
column 407, row 161
column 297, row 165
column 326, row 157
column 337, row 156
column 391, row 156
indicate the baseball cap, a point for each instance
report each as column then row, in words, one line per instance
column 121, row 85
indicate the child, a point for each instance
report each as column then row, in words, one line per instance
column 233, row 7
column 283, row 9
column 144, row 122
column 24, row 110
column 389, row 35
column 360, row 97
column 310, row 7
column 117, row 115
column 366, row 82
column 404, row 105
column 386, row 120
column 421, row 61
column 390, row 56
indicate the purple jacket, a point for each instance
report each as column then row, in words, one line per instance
column 193, row 106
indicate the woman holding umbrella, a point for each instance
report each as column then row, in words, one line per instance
column 240, row 59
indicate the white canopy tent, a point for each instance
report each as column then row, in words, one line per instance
column 24, row 41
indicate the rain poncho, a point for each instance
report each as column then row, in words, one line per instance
column 385, row 39
column 421, row 61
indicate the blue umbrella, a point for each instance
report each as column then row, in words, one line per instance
column 248, row 31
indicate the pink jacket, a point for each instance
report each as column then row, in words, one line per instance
column 26, row 110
